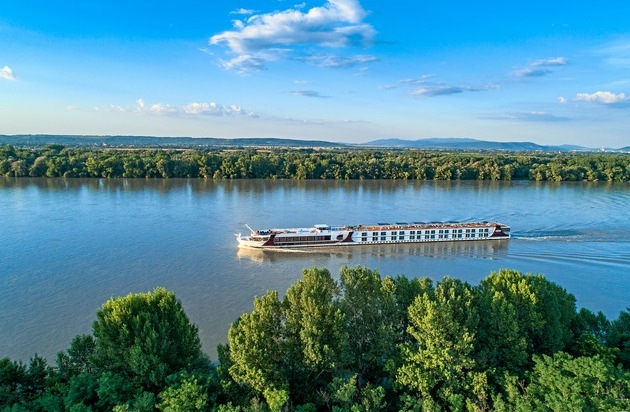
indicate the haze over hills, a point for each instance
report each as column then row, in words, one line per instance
column 210, row 142
column 153, row 141
column 472, row 144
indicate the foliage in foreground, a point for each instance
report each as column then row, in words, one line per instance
column 363, row 343
column 58, row 161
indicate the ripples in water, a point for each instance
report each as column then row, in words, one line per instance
column 66, row 245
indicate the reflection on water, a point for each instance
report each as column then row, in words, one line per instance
column 488, row 249
column 277, row 255
column 262, row 186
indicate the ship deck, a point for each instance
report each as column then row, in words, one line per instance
column 420, row 225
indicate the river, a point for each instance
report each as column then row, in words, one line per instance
column 67, row 245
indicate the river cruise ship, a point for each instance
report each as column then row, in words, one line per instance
column 380, row 233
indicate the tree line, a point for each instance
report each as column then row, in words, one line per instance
column 60, row 161
column 514, row 342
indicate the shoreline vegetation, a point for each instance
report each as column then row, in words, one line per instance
column 335, row 164
column 356, row 342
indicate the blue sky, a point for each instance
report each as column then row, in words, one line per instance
column 551, row 72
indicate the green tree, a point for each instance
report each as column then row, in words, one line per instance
column 142, row 402
column 19, row 168
column 112, row 165
column 38, row 169
column 346, row 396
column 590, row 332
column 513, row 298
column 406, row 291
column 187, row 394
column 316, row 339
column 258, row 351
column 12, row 377
column 508, row 321
column 113, row 390
column 36, row 378
column 561, row 383
column 618, row 337
column 81, row 393
column 231, row 391
column 20, row 385
column 369, row 307
column 77, row 359
column 557, row 310
column 144, row 338
column 438, row 368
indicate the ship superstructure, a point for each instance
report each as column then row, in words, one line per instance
column 380, row 233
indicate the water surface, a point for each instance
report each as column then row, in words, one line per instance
column 68, row 245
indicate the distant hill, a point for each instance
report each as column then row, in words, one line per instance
column 164, row 142
column 471, row 144
column 38, row 140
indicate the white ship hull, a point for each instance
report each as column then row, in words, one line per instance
column 382, row 233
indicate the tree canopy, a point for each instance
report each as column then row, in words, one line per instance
column 59, row 161
column 144, row 338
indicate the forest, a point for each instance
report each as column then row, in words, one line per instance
column 353, row 342
column 60, row 161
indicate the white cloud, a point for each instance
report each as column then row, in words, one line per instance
column 539, row 67
column 206, row 51
column 318, row 122
column 388, row 87
column 308, row 93
column 608, row 98
column 202, row 108
column 260, row 38
column 437, row 89
column 244, row 12
column 190, row 109
column 562, row 100
column 116, row 108
column 557, row 61
column 535, row 116
column 162, row 109
column 530, row 72
column 6, row 73
column 419, row 80
column 214, row 109
column 424, row 87
column 234, row 109
column 245, row 63
column 408, row 82
column 141, row 107
column 332, row 61
column 618, row 54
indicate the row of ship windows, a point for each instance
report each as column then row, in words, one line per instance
column 421, row 232
column 397, row 235
column 302, row 239
column 427, row 234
